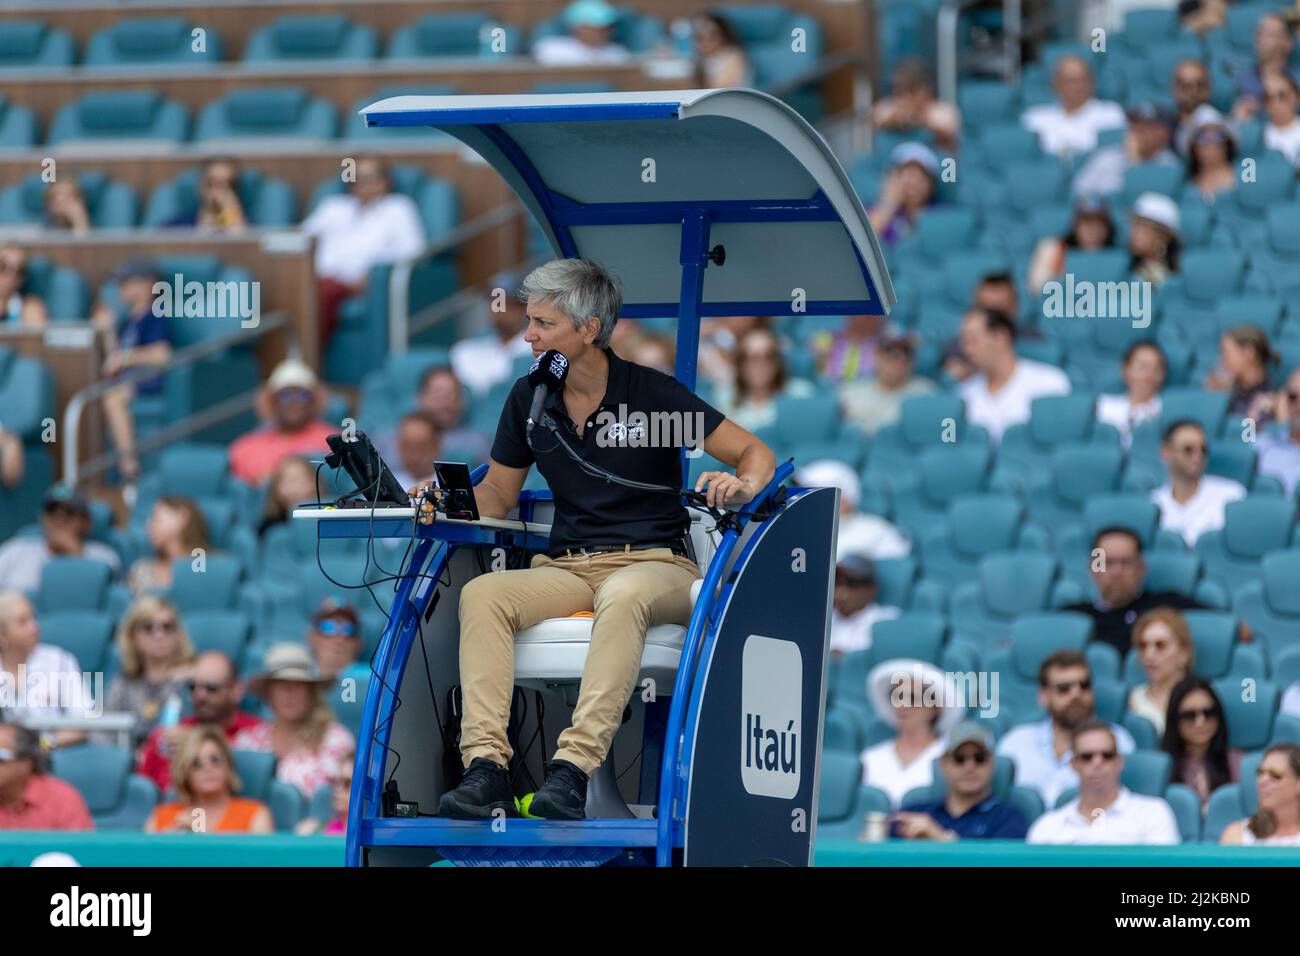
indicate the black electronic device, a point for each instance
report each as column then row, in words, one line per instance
column 375, row 481
column 457, row 490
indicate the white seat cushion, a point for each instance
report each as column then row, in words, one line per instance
column 555, row 650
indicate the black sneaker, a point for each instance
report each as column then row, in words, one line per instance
column 483, row 790
column 564, row 794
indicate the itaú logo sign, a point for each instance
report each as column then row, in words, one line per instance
column 771, row 708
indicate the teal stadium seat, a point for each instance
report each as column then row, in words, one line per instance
column 267, row 200
column 85, row 635
column 766, row 32
column 110, row 205
column 1054, row 421
column 257, row 772
column 984, row 102
column 33, row 44
column 1075, row 473
column 1271, row 604
column 842, row 800
column 454, row 34
column 976, row 525
column 229, row 632
column 1276, row 264
column 1003, row 143
column 390, row 390
column 1250, row 721
column 271, row 112
column 17, row 126
column 924, row 422
column 1258, row 309
column 324, row 36
column 1232, row 801
column 153, row 41
column 1163, row 178
column 1034, row 637
column 1143, row 28
column 1008, row 585
column 1253, row 526
column 72, row 584
column 26, row 395
column 119, row 115
column 348, row 707
column 116, row 798
column 1274, row 184
column 922, row 494
column 66, row 293
column 214, row 588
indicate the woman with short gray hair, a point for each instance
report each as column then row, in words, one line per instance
column 579, row 288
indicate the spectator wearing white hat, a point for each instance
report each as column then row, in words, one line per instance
column 1153, row 240
column 289, row 404
column 910, row 187
column 1070, row 126
column 854, row 611
column 1105, row 811
column 910, row 696
column 1212, row 148
column 859, row 533
column 588, row 42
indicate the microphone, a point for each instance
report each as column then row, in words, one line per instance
column 546, row 376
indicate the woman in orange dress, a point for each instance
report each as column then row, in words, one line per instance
column 203, row 774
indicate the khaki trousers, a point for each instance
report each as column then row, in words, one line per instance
column 628, row 591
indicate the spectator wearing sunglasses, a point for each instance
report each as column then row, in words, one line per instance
column 290, row 405
column 1273, row 46
column 17, row 306
column 1190, row 501
column 335, row 640
column 205, row 781
column 1212, row 148
column 215, row 694
column 176, row 528
column 1277, row 821
column 1164, row 644
column 1196, row 736
column 157, row 660
column 1105, row 811
column 1279, row 445
column 1042, row 750
column 31, row 799
column 1282, row 131
column 968, row 811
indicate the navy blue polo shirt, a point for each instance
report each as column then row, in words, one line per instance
column 136, row 331
column 991, row 819
column 636, row 432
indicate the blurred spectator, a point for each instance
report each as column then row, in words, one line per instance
column 1090, row 230
column 31, row 799
column 47, row 680
column 1143, row 371
column 1191, row 91
column 1042, row 750
column 1070, row 126
column 1279, row 445
column 65, row 207
column 998, row 395
column 440, row 394
column 1273, row 46
column 1282, row 131
column 1105, row 811
column 1145, row 143
column 854, row 608
column 340, row 798
column 1153, row 242
column 761, row 378
column 487, row 360
column 370, row 225
column 849, row 352
column 859, row 533
column 997, row 291
column 289, row 405
column 718, row 338
column 335, row 641
column 588, row 43
column 136, row 336
column 219, row 208
column 720, row 60
column 1164, row 645
column 968, row 811
column 65, row 533
column 1119, row 572
column 204, row 777
column 1196, row 736
column 878, row 401
column 304, row 736
column 292, row 483
column 157, row 659
column 909, row 695
column 913, row 107
column 176, row 527
column 654, row 351
column 1212, row 148
column 12, row 462
column 1244, row 359
column 1202, row 16
column 910, row 187
column 215, row 694
column 419, row 445
column 1277, row 821
column 18, row 306
column 1190, row 501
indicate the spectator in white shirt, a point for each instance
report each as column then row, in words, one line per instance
column 1070, row 126
column 1277, row 820
column 854, row 611
column 1104, row 811
column 1279, row 446
column 369, row 226
column 1143, row 371
column 1041, row 751
column 588, row 42
column 998, row 395
column 1191, row 502
column 859, row 533
column 875, row 402
column 1282, row 131
column 38, row 680
column 1146, row 142
column 487, row 360
column 65, row 528
column 909, row 695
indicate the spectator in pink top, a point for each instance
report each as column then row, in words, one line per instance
column 30, row 799
column 290, row 404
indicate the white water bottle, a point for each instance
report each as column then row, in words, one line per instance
column 170, row 717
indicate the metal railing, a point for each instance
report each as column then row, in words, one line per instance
column 946, row 44
column 75, row 471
